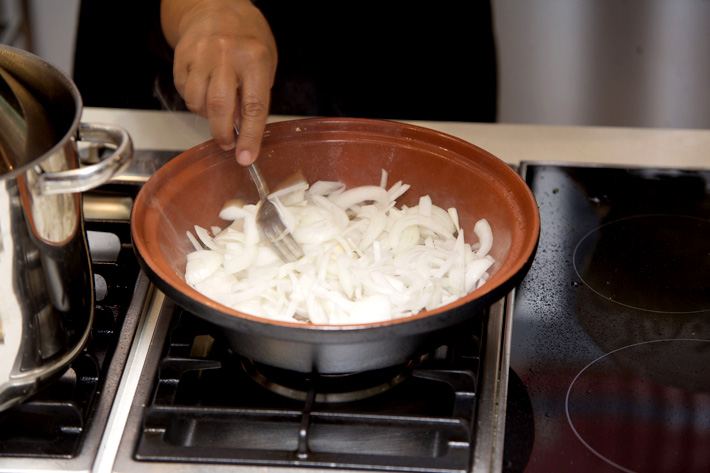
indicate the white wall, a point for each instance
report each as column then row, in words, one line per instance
column 53, row 29
column 604, row 62
column 582, row 62
column 54, row 25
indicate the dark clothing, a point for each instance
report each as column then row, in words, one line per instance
column 120, row 53
column 387, row 59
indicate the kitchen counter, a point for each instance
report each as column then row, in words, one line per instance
column 680, row 148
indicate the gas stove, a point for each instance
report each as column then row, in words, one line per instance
column 608, row 363
column 192, row 404
column 158, row 388
column 199, row 407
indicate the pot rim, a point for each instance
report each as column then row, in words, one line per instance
column 62, row 79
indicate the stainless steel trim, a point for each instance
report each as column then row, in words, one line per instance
column 504, row 373
column 129, row 381
column 490, row 423
column 100, row 207
column 143, row 165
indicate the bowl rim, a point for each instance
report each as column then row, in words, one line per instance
column 195, row 301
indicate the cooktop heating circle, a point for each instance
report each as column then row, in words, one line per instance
column 625, row 409
column 657, row 263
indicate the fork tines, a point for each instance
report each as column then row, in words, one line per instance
column 277, row 234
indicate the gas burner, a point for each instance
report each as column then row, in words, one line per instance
column 644, row 262
column 203, row 404
column 329, row 388
column 637, row 406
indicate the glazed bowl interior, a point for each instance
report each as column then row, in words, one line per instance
column 192, row 188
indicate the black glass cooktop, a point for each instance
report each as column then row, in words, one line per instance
column 611, row 331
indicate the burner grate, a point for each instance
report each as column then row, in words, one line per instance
column 207, row 408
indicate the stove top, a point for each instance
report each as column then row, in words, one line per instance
column 611, row 327
column 609, row 360
column 207, row 405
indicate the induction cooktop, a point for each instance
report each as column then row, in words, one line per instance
column 611, row 327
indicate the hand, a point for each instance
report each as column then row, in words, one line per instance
column 225, row 61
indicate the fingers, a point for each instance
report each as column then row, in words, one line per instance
column 217, row 95
column 181, row 68
column 229, row 85
column 211, row 94
column 191, row 77
column 253, row 112
column 221, row 106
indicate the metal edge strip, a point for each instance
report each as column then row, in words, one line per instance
column 129, row 382
column 488, row 413
column 502, row 398
column 117, row 366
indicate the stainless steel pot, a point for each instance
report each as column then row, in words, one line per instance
column 46, row 282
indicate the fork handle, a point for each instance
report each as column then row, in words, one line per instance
column 259, row 182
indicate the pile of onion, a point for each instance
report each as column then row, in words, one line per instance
column 365, row 259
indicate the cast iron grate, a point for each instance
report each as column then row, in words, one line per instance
column 206, row 408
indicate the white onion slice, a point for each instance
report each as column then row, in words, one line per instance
column 361, row 194
column 483, row 231
column 325, row 188
column 201, row 264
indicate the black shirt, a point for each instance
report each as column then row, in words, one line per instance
column 388, row 59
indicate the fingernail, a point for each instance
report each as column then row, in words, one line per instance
column 244, row 157
column 227, row 147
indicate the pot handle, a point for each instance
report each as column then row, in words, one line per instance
column 88, row 177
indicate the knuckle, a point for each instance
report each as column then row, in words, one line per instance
column 253, row 108
column 218, row 103
column 194, row 106
column 248, row 135
column 193, row 102
column 255, row 51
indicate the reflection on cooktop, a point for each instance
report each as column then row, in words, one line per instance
column 658, row 263
column 519, row 426
column 611, row 326
column 638, row 406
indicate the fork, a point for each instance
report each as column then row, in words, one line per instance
column 270, row 223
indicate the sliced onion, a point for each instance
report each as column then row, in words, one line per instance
column 359, row 195
column 365, row 259
column 325, row 188
column 201, row 264
column 483, row 231
column 383, row 179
